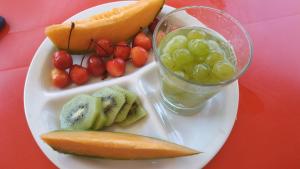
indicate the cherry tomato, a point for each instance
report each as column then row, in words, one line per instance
column 60, row 78
column 143, row 41
column 62, row 60
column 104, row 48
column 116, row 67
column 79, row 75
column 122, row 51
column 139, row 56
column 96, row 65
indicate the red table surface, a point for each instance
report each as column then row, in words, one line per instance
column 266, row 133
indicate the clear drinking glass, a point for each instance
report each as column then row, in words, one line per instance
column 186, row 97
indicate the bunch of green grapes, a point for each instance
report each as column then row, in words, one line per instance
column 197, row 57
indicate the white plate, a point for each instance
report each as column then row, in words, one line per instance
column 206, row 131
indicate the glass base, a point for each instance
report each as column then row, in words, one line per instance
column 179, row 110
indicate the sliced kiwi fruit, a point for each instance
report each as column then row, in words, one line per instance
column 100, row 122
column 136, row 113
column 130, row 98
column 112, row 102
column 101, row 119
column 80, row 113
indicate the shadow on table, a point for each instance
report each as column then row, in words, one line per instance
column 249, row 97
column 4, row 31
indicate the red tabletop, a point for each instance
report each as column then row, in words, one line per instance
column 267, row 131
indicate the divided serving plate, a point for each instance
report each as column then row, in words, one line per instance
column 205, row 131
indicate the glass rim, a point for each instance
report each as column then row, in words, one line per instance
column 222, row 12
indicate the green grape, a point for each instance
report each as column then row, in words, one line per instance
column 182, row 56
column 212, row 79
column 213, row 58
column 188, row 68
column 177, row 67
column 198, row 47
column 200, row 59
column 182, row 74
column 167, row 60
column 196, row 34
column 177, row 42
column 201, row 72
column 223, row 70
column 214, row 46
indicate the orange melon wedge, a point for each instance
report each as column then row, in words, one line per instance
column 117, row 25
column 113, row 145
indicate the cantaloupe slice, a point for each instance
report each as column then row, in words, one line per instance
column 113, row 145
column 116, row 25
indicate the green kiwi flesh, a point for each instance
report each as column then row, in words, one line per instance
column 80, row 112
column 130, row 99
column 101, row 119
column 135, row 113
column 112, row 102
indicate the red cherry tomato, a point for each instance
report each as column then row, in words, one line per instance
column 104, row 48
column 122, row 51
column 79, row 75
column 62, row 60
column 60, row 78
column 116, row 67
column 143, row 41
column 96, row 66
column 139, row 56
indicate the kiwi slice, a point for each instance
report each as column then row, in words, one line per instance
column 112, row 102
column 136, row 113
column 101, row 119
column 130, row 98
column 80, row 112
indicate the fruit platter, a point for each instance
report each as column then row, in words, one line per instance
column 95, row 78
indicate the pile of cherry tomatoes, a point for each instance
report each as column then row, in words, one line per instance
column 108, row 59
